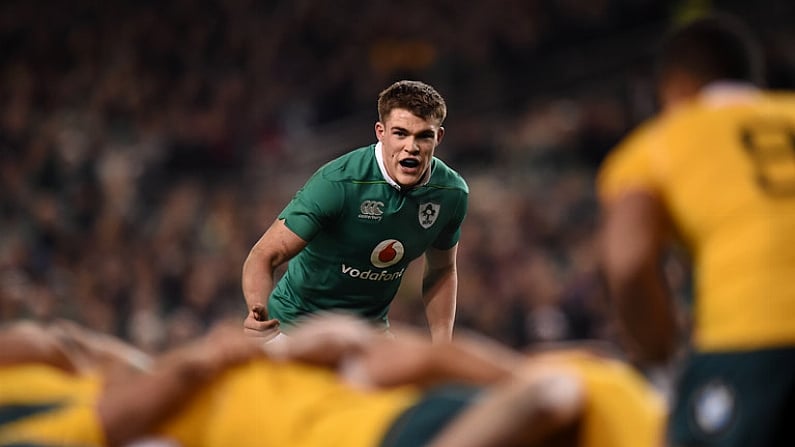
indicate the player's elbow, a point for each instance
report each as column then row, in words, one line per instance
column 623, row 266
column 549, row 404
column 260, row 260
column 653, row 350
column 259, row 255
column 648, row 329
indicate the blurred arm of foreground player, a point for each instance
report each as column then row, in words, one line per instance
column 134, row 408
column 635, row 233
column 525, row 402
column 368, row 358
column 537, row 406
column 68, row 346
column 139, row 391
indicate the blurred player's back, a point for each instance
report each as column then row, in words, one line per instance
column 621, row 409
column 725, row 168
column 42, row 405
column 716, row 169
column 275, row 404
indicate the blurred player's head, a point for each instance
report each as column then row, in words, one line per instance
column 409, row 127
column 712, row 48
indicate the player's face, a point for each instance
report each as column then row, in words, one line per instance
column 407, row 143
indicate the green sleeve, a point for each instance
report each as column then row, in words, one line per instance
column 317, row 204
column 452, row 231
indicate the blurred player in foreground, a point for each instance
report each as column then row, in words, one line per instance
column 716, row 172
column 351, row 231
column 335, row 382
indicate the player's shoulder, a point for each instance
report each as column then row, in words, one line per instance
column 47, row 381
column 723, row 104
column 445, row 177
column 639, row 139
column 778, row 96
column 358, row 164
column 629, row 163
column 780, row 101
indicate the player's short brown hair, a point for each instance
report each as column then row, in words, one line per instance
column 713, row 47
column 417, row 97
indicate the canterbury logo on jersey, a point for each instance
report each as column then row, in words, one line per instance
column 371, row 209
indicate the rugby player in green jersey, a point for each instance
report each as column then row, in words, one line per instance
column 351, row 231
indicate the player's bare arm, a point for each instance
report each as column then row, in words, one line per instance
column 31, row 342
column 67, row 346
column 439, row 290
column 465, row 360
column 366, row 357
column 532, row 408
column 634, row 235
column 276, row 246
column 132, row 408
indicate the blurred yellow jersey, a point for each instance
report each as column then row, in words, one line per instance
column 621, row 407
column 272, row 404
column 724, row 167
column 44, row 406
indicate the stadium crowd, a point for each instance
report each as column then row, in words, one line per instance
column 145, row 145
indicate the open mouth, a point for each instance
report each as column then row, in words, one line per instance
column 409, row 163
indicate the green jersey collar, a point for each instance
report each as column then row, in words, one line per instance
column 379, row 158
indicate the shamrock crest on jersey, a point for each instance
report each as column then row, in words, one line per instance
column 428, row 214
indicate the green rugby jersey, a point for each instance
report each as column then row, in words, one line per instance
column 362, row 232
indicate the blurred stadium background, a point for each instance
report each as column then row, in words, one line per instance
column 146, row 144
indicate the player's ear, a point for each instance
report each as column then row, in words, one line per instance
column 439, row 135
column 379, row 130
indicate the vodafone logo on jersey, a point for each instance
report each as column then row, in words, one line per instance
column 387, row 253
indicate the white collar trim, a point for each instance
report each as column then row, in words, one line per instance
column 379, row 158
column 721, row 93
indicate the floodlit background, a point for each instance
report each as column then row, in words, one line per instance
column 145, row 145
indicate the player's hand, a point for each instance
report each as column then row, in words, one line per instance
column 225, row 346
column 221, row 348
column 257, row 323
column 325, row 339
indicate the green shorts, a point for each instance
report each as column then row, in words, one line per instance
column 418, row 425
column 736, row 399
